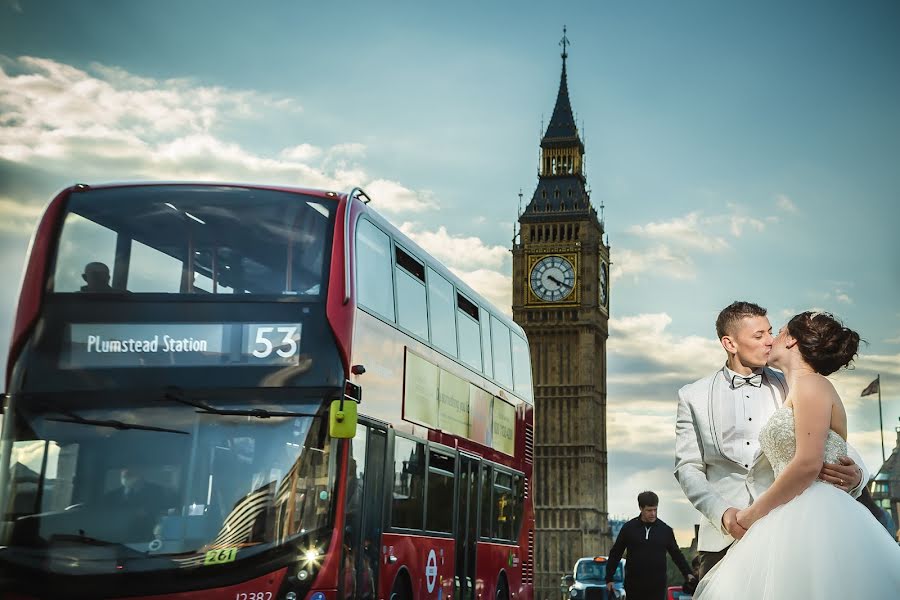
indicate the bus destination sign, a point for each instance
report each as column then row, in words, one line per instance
column 112, row 345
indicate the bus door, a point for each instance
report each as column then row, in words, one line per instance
column 365, row 512
column 466, row 526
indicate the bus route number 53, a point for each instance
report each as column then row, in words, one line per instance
column 282, row 340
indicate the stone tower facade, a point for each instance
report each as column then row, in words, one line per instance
column 561, row 300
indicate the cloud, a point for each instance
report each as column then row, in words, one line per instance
column 302, row 153
column 785, row 204
column 105, row 123
column 843, row 298
column 392, row 197
column 737, row 224
column 646, row 337
column 457, row 251
column 493, row 285
column 349, row 149
column 18, row 218
column 683, row 231
column 658, row 259
column 674, row 242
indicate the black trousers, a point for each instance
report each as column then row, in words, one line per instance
column 709, row 559
column 645, row 592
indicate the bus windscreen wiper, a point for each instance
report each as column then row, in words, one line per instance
column 175, row 395
column 120, row 425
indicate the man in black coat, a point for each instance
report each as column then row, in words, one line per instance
column 646, row 539
column 139, row 502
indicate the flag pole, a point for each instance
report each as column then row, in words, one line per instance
column 880, row 422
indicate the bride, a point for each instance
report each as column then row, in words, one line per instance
column 807, row 539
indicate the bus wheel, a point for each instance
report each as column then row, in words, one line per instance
column 400, row 591
column 502, row 591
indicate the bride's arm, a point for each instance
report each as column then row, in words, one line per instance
column 812, row 402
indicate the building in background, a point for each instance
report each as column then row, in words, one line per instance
column 885, row 486
column 561, row 300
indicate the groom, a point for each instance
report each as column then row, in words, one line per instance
column 717, row 458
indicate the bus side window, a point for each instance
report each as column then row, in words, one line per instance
column 374, row 282
column 412, row 311
column 486, row 343
column 502, row 353
column 441, row 313
column 521, row 367
column 469, row 335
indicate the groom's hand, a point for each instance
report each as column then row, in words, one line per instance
column 729, row 520
column 844, row 474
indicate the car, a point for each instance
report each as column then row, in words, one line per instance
column 588, row 580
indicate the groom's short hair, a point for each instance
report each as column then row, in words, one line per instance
column 733, row 313
column 648, row 499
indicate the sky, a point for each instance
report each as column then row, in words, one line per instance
column 740, row 151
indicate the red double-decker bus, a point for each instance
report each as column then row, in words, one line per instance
column 258, row 393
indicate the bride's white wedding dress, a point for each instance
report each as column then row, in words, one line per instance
column 821, row 544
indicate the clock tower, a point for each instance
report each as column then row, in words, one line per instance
column 561, row 300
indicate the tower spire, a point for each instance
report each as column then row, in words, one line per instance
column 564, row 42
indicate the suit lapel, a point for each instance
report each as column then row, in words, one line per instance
column 713, row 422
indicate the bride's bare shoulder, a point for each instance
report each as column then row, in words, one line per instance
column 816, row 389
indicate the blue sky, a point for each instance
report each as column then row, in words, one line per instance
column 741, row 150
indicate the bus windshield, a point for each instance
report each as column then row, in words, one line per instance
column 100, row 487
column 194, row 239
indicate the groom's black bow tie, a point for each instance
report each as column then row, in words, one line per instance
column 755, row 380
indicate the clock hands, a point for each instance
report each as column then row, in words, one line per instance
column 558, row 282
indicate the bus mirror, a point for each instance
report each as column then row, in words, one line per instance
column 342, row 419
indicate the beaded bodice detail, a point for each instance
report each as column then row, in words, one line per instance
column 779, row 443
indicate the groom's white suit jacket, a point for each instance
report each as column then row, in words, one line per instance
column 711, row 479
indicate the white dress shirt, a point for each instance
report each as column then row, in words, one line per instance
column 741, row 412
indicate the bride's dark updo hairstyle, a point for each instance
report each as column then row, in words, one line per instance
column 824, row 343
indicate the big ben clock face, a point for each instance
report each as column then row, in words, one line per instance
column 603, row 285
column 552, row 278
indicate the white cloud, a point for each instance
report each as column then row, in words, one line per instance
column 352, row 149
column 646, row 336
column 659, row 259
column 674, row 242
column 684, row 231
column 739, row 223
column 392, row 197
column 107, row 124
column 302, row 153
column 785, row 204
column 493, row 285
column 457, row 251
column 18, row 218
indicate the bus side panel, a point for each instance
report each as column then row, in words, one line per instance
column 494, row 559
column 428, row 561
